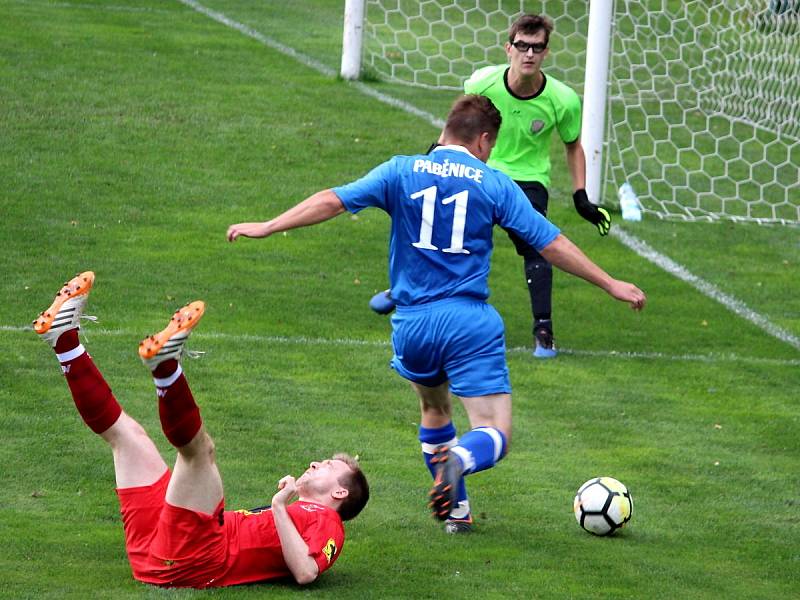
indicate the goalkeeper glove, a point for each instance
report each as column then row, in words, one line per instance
column 594, row 214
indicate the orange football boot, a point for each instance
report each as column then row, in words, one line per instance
column 66, row 310
column 168, row 343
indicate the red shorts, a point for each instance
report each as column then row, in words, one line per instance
column 168, row 545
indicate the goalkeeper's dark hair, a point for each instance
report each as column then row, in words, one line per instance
column 470, row 116
column 531, row 25
column 356, row 485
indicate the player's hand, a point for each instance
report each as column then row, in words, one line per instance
column 252, row 230
column 286, row 491
column 596, row 215
column 627, row 292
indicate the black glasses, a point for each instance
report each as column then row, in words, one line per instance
column 537, row 47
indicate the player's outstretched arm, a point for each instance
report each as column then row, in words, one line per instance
column 294, row 548
column 320, row 207
column 562, row 253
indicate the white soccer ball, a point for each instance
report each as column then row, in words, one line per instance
column 603, row 505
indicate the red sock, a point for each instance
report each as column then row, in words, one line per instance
column 67, row 341
column 90, row 392
column 179, row 414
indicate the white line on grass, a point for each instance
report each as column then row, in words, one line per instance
column 260, row 37
column 355, row 343
column 709, row 289
column 310, row 62
column 638, row 246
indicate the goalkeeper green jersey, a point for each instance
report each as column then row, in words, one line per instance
column 523, row 144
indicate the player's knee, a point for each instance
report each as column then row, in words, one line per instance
column 124, row 431
column 201, row 449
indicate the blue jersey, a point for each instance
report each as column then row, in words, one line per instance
column 443, row 207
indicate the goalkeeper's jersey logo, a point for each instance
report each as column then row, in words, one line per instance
column 536, row 126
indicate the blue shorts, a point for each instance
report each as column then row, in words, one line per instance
column 457, row 339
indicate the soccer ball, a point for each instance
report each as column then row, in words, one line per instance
column 603, row 505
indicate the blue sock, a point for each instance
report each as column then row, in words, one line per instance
column 430, row 438
column 480, row 449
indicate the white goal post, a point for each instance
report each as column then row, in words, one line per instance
column 700, row 101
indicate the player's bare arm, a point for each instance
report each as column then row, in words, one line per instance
column 576, row 162
column 319, row 207
column 565, row 255
column 294, row 549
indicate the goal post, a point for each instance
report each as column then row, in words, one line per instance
column 697, row 111
column 598, row 44
column 352, row 39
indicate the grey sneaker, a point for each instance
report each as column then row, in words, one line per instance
column 456, row 526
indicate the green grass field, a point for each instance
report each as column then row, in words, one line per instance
column 134, row 131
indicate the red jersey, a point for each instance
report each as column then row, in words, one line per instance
column 173, row 546
column 255, row 549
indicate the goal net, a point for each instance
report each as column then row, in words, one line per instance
column 703, row 116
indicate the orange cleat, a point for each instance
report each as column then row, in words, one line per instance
column 168, row 343
column 66, row 310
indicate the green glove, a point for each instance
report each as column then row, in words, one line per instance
column 594, row 214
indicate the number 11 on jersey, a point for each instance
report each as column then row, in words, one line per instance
column 428, row 196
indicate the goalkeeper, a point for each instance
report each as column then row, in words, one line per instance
column 532, row 105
